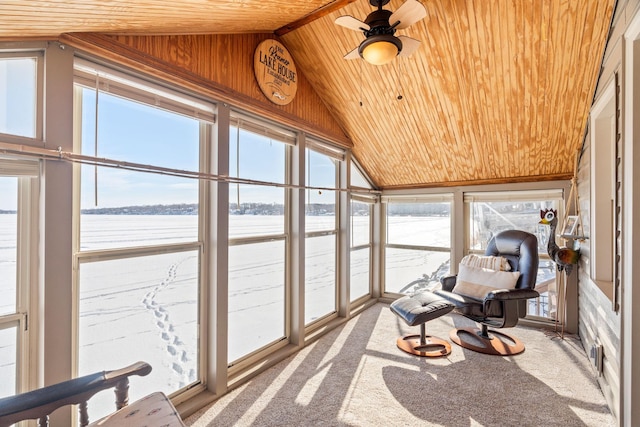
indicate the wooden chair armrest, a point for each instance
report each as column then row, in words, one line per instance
column 38, row 404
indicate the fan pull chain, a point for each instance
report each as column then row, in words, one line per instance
column 360, row 87
column 398, row 72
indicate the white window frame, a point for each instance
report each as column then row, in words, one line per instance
column 604, row 131
column 38, row 55
column 556, row 194
column 339, row 155
column 137, row 89
column 26, row 316
column 288, row 137
column 370, row 201
column 414, row 198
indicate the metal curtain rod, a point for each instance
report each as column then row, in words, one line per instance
column 48, row 154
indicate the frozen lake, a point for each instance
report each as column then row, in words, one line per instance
column 146, row 308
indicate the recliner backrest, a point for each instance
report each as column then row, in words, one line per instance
column 520, row 248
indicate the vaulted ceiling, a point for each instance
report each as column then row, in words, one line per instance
column 499, row 90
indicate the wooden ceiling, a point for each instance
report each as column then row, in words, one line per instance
column 499, row 90
column 39, row 18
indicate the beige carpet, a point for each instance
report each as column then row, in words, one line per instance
column 356, row 376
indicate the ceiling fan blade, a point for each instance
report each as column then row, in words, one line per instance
column 351, row 23
column 409, row 45
column 410, row 12
column 354, row 54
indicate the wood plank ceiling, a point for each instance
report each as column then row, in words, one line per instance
column 499, row 91
column 44, row 18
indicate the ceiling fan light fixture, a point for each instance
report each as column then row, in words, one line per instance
column 380, row 49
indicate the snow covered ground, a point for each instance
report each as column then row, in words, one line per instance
column 146, row 308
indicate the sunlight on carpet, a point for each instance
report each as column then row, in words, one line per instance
column 356, row 376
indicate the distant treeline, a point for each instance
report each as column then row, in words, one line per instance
column 417, row 209
column 192, row 209
column 179, row 209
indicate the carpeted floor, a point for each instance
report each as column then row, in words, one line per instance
column 356, row 376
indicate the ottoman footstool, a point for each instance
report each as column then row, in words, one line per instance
column 417, row 309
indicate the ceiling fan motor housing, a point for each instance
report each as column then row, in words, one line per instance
column 380, row 45
column 378, row 22
column 378, row 3
column 379, row 30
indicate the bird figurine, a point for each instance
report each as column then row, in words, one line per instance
column 565, row 258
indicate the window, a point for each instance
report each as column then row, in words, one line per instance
column 605, row 136
column 18, row 198
column 140, row 243
column 492, row 212
column 20, row 75
column 257, row 238
column 9, row 247
column 9, row 313
column 361, row 234
column 361, row 247
column 418, row 242
column 143, row 308
column 124, row 208
column 321, row 233
column 358, row 178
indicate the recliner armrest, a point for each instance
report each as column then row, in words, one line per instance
column 511, row 294
column 448, row 283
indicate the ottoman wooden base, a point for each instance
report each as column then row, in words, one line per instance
column 431, row 347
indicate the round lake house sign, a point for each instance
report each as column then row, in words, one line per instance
column 275, row 72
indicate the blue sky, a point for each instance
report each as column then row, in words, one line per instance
column 137, row 133
column 17, row 96
column 17, row 112
column 141, row 134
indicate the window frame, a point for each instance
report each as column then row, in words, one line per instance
column 134, row 88
column 406, row 199
column 38, row 55
column 289, row 138
column 363, row 246
column 604, row 201
column 516, row 195
column 26, row 316
column 338, row 155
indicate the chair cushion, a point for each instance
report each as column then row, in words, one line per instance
column 478, row 282
column 498, row 263
column 153, row 410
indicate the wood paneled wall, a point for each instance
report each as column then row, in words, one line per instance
column 220, row 66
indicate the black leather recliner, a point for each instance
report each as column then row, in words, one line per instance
column 500, row 308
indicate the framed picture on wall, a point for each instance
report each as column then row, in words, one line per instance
column 570, row 226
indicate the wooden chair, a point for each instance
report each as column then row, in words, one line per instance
column 38, row 404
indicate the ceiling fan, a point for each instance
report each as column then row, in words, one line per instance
column 380, row 45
